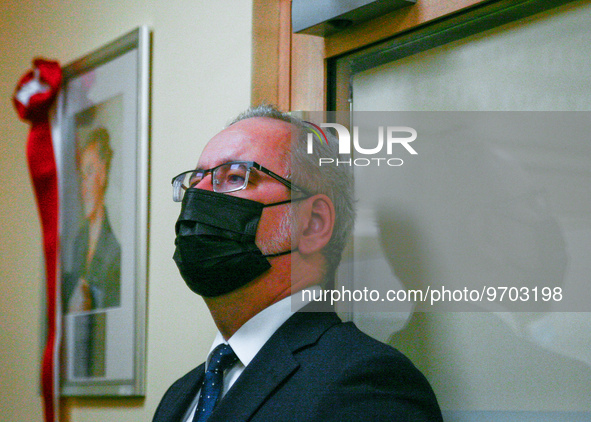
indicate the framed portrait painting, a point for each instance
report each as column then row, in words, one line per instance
column 102, row 154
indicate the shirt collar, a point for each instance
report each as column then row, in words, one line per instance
column 252, row 336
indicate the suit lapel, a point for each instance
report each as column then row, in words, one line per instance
column 255, row 384
column 186, row 390
column 272, row 365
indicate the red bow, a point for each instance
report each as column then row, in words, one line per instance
column 34, row 95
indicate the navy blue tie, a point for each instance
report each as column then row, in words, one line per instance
column 222, row 358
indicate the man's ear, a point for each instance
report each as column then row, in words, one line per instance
column 317, row 221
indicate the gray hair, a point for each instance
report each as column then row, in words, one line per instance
column 334, row 181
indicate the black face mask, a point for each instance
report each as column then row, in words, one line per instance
column 215, row 242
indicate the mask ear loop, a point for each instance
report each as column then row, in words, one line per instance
column 287, row 201
column 273, row 255
column 281, row 203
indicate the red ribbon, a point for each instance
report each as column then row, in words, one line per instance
column 35, row 93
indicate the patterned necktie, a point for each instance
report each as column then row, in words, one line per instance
column 222, row 358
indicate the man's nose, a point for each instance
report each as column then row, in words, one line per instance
column 206, row 183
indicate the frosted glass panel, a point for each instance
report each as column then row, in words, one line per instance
column 542, row 63
column 511, row 362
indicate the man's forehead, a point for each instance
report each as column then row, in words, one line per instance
column 258, row 139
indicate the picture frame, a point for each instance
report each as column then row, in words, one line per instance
column 101, row 134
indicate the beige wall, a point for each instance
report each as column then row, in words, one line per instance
column 201, row 77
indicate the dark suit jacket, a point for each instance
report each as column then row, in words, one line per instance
column 104, row 271
column 316, row 368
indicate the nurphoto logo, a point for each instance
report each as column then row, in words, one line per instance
column 389, row 137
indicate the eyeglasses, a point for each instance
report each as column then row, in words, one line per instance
column 228, row 177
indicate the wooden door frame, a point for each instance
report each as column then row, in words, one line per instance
column 290, row 70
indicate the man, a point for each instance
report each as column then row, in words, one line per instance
column 259, row 223
column 94, row 280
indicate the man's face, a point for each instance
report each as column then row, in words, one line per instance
column 266, row 141
column 93, row 173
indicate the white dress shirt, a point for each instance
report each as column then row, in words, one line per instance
column 252, row 336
